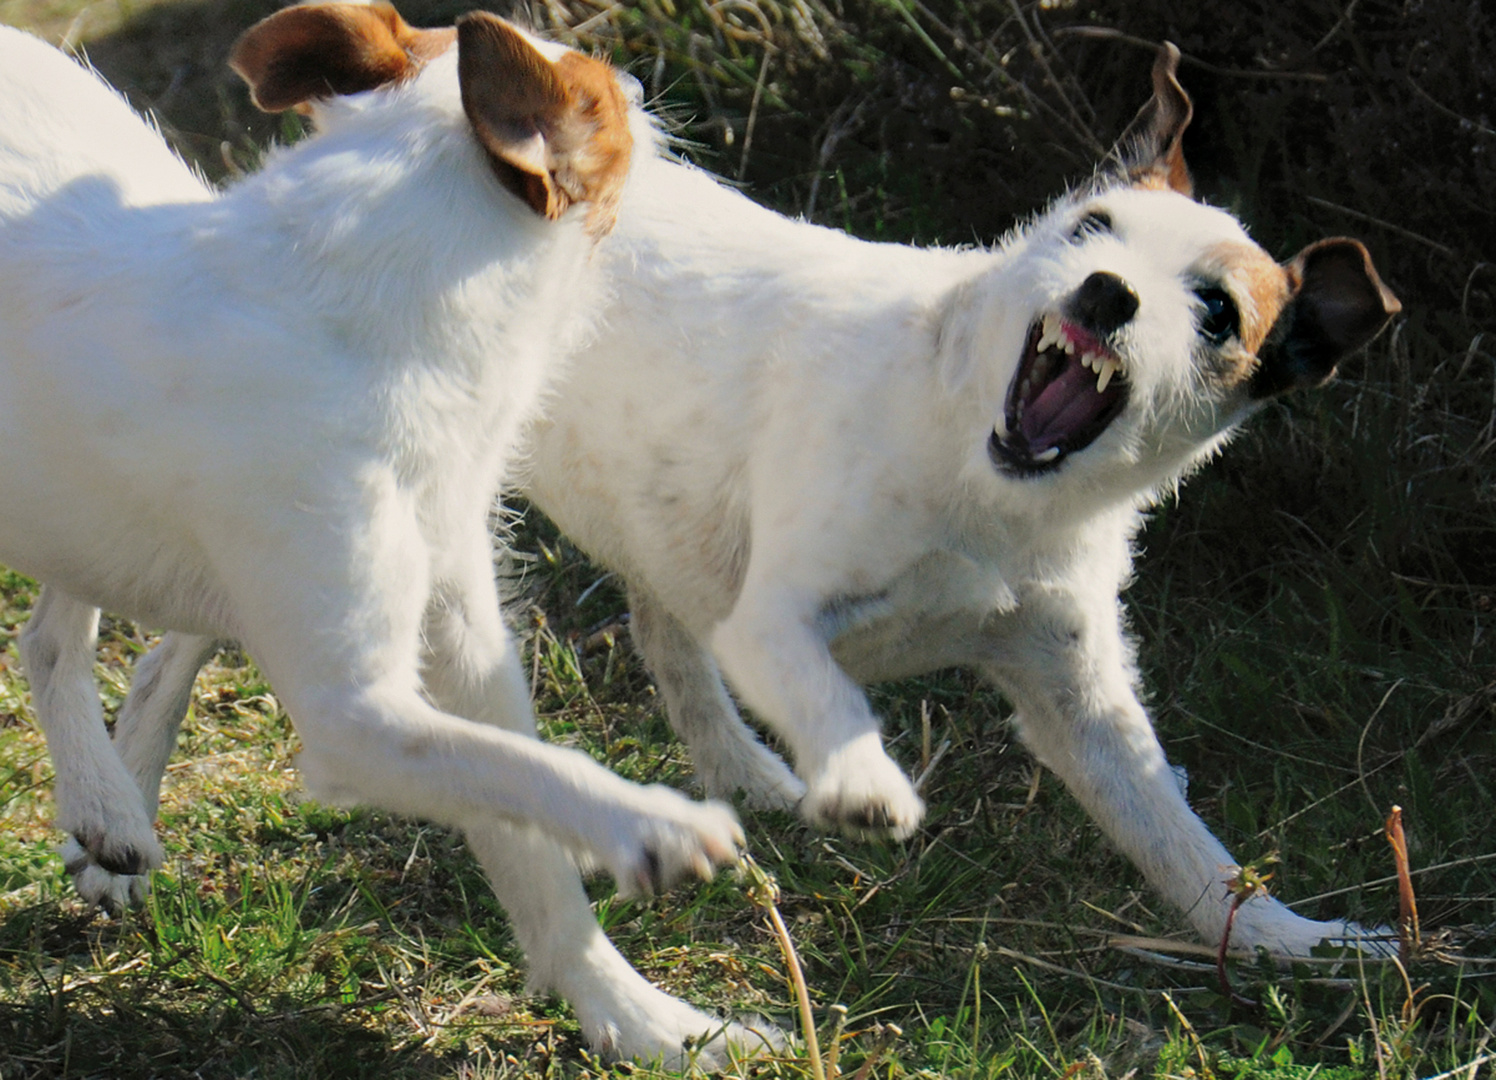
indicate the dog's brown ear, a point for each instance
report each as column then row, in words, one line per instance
column 1151, row 150
column 323, row 50
column 1336, row 305
column 556, row 133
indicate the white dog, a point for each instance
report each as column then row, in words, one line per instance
column 280, row 416
column 819, row 462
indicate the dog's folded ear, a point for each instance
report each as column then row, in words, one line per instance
column 1151, row 150
column 1337, row 304
column 556, row 133
column 316, row 51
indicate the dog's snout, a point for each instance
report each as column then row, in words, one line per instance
column 1104, row 302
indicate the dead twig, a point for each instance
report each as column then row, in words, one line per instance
column 1107, row 33
column 1396, row 230
column 1408, row 940
column 763, row 892
column 1247, row 882
column 888, row 1034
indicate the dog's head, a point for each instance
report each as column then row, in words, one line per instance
column 1148, row 323
column 555, row 124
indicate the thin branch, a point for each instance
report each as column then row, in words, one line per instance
column 1106, row 33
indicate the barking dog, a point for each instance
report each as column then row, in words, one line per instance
column 820, row 462
column 280, row 416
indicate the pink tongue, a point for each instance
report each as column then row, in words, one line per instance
column 1061, row 408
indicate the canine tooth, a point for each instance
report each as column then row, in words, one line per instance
column 1048, row 455
column 1050, row 334
column 1107, row 370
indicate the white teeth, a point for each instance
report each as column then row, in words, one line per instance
column 1107, row 370
column 1048, row 455
column 1053, row 332
column 1050, row 333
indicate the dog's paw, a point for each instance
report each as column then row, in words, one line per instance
column 653, row 1026
column 105, row 888
column 667, row 838
column 861, row 790
column 1265, row 923
column 110, row 826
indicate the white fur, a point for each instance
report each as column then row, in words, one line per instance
column 279, row 416
column 780, row 440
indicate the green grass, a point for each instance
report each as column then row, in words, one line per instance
column 1316, row 614
column 287, row 939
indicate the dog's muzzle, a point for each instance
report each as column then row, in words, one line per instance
column 1070, row 384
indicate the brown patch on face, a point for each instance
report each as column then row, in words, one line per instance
column 1260, row 288
column 556, row 133
column 315, row 51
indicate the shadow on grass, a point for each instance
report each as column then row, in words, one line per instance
column 95, row 1034
column 337, row 952
column 86, row 996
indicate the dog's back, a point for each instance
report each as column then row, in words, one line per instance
column 734, row 330
column 59, row 129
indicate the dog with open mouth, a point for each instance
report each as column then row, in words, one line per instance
column 820, row 462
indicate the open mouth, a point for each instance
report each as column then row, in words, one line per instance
column 1069, row 387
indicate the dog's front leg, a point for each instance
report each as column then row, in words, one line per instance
column 727, row 756
column 385, row 744
column 1063, row 660
column 778, row 659
column 98, row 801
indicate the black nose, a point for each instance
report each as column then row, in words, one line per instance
column 1104, row 302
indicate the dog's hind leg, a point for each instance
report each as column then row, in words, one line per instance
column 470, row 670
column 726, row 754
column 98, row 801
column 621, row 1014
column 1065, row 664
column 145, row 732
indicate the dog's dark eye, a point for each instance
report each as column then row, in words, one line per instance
column 1094, row 223
column 1219, row 319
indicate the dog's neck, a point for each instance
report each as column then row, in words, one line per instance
column 393, row 207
